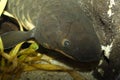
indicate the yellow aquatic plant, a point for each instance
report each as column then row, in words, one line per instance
column 19, row 60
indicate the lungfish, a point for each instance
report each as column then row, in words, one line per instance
column 60, row 25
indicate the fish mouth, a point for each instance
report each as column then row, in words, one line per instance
column 81, row 58
column 67, row 55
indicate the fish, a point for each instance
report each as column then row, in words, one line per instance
column 60, row 25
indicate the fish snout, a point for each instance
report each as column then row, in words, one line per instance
column 87, row 54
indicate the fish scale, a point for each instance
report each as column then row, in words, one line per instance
column 60, row 25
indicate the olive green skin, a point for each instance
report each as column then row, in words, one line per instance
column 59, row 25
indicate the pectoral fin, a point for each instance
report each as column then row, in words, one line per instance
column 12, row 38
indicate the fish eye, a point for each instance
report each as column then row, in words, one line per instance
column 66, row 42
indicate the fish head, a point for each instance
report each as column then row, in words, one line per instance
column 76, row 39
column 80, row 42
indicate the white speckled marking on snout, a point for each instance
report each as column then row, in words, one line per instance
column 109, row 12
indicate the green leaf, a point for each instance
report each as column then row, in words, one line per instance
column 15, row 50
column 34, row 46
column 1, row 46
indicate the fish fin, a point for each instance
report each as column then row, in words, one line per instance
column 12, row 38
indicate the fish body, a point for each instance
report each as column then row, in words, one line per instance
column 60, row 25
